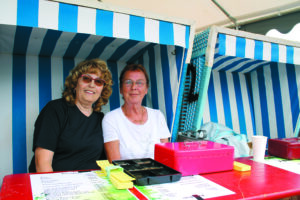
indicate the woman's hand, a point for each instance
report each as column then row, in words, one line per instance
column 43, row 160
column 112, row 150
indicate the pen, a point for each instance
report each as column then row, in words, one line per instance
column 197, row 197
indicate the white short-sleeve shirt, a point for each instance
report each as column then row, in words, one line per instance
column 136, row 141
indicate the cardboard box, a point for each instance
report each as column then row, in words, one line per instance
column 288, row 148
column 197, row 157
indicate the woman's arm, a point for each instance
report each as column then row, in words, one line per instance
column 112, row 150
column 43, row 160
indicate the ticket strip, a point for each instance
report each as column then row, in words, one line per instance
column 116, row 175
column 119, row 178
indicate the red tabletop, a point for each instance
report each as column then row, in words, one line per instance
column 262, row 182
column 16, row 186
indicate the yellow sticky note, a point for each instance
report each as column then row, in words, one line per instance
column 241, row 166
column 121, row 185
column 122, row 176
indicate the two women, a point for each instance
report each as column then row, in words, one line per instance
column 68, row 131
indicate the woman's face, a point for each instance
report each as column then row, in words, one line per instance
column 134, row 87
column 87, row 91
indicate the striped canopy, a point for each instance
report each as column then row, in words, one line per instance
column 254, row 84
column 41, row 41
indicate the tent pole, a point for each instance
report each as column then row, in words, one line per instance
column 227, row 14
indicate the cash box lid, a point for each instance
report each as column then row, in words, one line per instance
column 291, row 142
column 192, row 148
column 288, row 148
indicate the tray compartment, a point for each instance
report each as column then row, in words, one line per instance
column 148, row 171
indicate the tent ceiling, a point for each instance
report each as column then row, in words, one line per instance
column 205, row 13
column 33, row 41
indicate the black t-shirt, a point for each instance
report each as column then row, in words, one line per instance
column 75, row 139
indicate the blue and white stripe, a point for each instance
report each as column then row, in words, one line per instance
column 237, row 54
column 254, row 87
column 70, row 18
column 41, row 41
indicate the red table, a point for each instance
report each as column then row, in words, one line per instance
column 262, row 182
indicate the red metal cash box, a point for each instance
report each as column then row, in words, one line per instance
column 288, row 148
column 197, row 157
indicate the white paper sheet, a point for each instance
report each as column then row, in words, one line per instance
column 289, row 165
column 75, row 186
column 186, row 188
column 89, row 186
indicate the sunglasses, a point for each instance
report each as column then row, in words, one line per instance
column 88, row 79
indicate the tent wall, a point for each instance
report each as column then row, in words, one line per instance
column 254, row 86
column 41, row 41
column 264, row 101
column 229, row 102
column 276, row 92
column 32, row 80
column 163, row 65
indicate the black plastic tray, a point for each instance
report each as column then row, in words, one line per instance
column 147, row 171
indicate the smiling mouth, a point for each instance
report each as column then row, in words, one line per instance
column 89, row 92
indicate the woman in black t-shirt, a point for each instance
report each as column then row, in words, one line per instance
column 68, row 133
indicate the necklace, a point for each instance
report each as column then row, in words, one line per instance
column 86, row 111
column 135, row 121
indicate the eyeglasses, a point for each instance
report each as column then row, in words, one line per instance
column 138, row 83
column 87, row 79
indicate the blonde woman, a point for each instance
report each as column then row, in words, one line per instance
column 68, row 133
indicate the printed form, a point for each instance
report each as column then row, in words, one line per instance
column 189, row 187
column 94, row 185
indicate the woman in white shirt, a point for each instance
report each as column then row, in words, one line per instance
column 132, row 130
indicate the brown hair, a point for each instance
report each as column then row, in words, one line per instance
column 134, row 67
column 92, row 66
